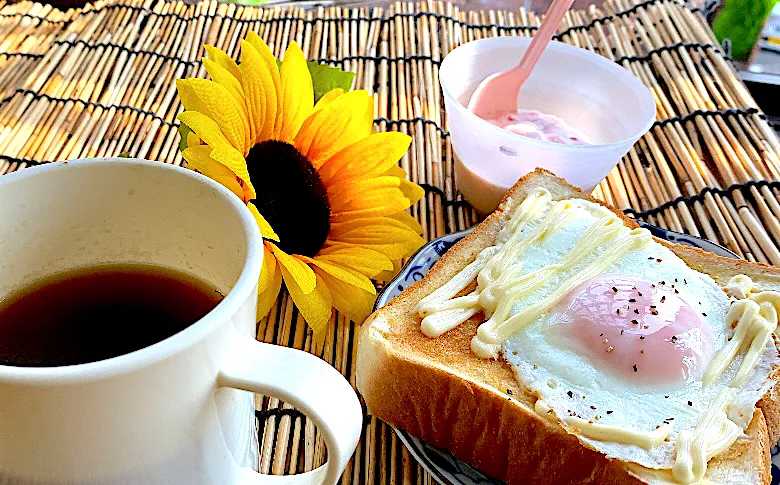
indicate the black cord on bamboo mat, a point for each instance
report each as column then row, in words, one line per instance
column 109, row 45
column 21, row 54
column 689, row 199
column 412, row 121
column 92, row 104
column 32, row 17
column 726, row 113
column 672, row 47
column 263, row 414
column 28, row 161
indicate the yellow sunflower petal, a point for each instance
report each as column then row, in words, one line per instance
column 198, row 159
column 393, row 242
column 224, row 78
column 372, row 224
column 369, row 157
column 380, row 202
column 297, row 269
column 366, row 261
column 396, row 171
column 347, row 275
column 339, row 124
column 265, row 228
column 315, row 306
column 411, row 190
column 377, row 208
column 215, row 101
column 193, row 139
column 234, row 160
column 223, row 60
column 370, row 114
column 205, row 127
column 408, row 220
column 269, row 284
column 268, row 57
column 259, row 93
column 390, row 274
column 355, row 303
column 328, row 98
column 355, row 194
column 297, row 93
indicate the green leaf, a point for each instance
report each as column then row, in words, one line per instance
column 326, row 78
column 184, row 130
column 124, row 155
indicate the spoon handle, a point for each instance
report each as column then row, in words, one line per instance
column 552, row 19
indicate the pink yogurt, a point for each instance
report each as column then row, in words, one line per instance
column 539, row 126
column 638, row 331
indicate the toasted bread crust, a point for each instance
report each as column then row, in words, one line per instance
column 438, row 390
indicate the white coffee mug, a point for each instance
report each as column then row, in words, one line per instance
column 176, row 412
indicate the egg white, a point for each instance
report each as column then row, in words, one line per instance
column 550, row 371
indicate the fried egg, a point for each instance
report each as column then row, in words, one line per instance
column 629, row 346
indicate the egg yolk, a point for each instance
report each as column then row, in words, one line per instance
column 639, row 331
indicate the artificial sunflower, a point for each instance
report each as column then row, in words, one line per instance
column 327, row 193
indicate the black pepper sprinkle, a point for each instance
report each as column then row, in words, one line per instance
column 650, row 258
column 609, row 412
column 652, row 306
column 704, row 314
column 570, row 394
column 676, row 292
column 632, row 300
column 618, row 311
column 633, row 287
column 641, row 351
column 621, row 331
column 636, row 311
column 509, row 391
column 666, row 397
column 593, row 407
column 658, row 260
column 674, row 338
column 653, row 311
column 641, row 337
column 653, row 285
column 634, row 322
column 635, row 368
column 639, row 293
column 614, row 289
column 675, row 280
column 663, row 298
column 685, row 281
column 662, row 282
column 670, row 419
column 690, row 403
column 601, row 335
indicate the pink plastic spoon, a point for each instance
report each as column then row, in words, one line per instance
column 497, row 95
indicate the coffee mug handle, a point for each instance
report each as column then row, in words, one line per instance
column 313, row 387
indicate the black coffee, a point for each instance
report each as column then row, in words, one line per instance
column 98, row 312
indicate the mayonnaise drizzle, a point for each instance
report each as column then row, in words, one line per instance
column 713, row 434
column 756, row 315
column 501, row 282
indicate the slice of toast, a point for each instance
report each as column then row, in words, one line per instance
column 438, row 390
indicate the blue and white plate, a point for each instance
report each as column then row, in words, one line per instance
column 445, row 468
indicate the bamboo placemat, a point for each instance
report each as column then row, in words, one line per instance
column 99, row 81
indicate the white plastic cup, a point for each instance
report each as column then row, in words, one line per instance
column 605, row 102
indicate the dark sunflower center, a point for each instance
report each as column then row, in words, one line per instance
column 290, row 195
